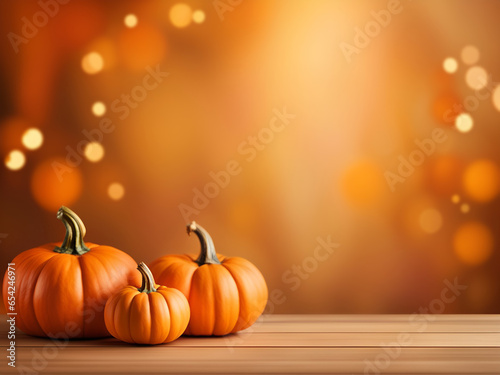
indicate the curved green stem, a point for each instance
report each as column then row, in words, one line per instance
column 207, row 253
column 75, row 231
column 148, row 281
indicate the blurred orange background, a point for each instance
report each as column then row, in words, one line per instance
column 373, row 125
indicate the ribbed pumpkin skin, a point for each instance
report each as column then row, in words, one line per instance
column 147, row 318
column 224, row 298
column 63, row 295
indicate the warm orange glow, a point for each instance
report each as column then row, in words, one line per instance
column 414, row 214
column 481, row 180
column 271, row 123
column 11, row 133
column 54, row 184
column 92, row 63
column 105, row 47
column 470, row 55
column 116, row 191
column 444, row 108
column 244, row 214
column 363, row 183
column 180, row 15
column 444, row 174
column 473, row 243
column 94, row 151
column 15, row 160
column 81, row 22
column 142, row 46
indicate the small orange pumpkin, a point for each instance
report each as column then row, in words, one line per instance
column 61, row 288
column 152, row 314
column 225, row 294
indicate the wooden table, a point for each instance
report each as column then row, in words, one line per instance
column 290, row 344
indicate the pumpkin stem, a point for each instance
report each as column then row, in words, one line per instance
column 75, row 231
column 148, row 281
column 207, row 253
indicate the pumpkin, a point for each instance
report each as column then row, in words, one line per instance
column 225, row 294
column 151, row 314
column 61, row 288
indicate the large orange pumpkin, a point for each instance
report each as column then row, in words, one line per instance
column 61, row 288
column 225, row 294
column 152, row 314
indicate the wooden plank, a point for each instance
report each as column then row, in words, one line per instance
column 292, row 344
column 367, row 323
column 379, row 327
column 167, row 359
column 326, row 339
column 378, row 323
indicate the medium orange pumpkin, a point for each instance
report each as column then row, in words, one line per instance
column 61, row 288
column 151, row 314
column 225, row 294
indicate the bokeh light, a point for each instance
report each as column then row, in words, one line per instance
column 32, row 138
column 476, row 78
column 130, row 20
column 470, row 55
column 92, row 63
column 15, row 160
column 54, row 183
column 99, row 109
column 180, row 15
column 473, row 243
column 464, row 123
column 94, row 151
column 455, row 198
column 430, row 220
column 481, row 180
column 450, row 65
column 198, row 16
column 464, row 208
column 116, row 191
